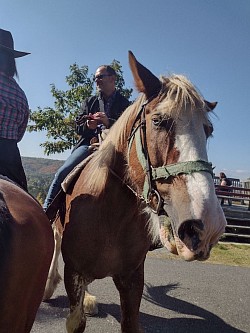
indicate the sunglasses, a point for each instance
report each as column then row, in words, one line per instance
column 101, row 76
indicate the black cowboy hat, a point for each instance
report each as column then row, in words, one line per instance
column 7, row 44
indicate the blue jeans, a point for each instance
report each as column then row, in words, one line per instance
column 78, row 155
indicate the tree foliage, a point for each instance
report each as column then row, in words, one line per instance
column 58, row 122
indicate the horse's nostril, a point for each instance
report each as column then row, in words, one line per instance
column 201, row 254
column 191, row 229
column 195, row 241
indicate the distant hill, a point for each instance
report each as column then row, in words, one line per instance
column 40, row 173
column 43, row 166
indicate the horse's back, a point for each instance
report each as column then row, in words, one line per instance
column 26, row 243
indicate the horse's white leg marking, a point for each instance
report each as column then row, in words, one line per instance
column 76, row 320
column 53, row 277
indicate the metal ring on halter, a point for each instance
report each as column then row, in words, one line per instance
column 151, row 195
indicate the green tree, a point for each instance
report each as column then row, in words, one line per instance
column 120, row 83
column 58, row 121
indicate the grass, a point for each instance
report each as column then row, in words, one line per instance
column 223, row 253
column 231, row 254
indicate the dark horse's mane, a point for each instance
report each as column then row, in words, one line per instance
column 8, row 179
column 177, row 95
column 5, row 231
column 5, row 221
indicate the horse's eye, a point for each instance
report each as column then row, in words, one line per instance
column 162, row 123
column 157, row 121
column 208, row 130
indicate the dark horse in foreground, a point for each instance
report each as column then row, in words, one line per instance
column 153, row 162
column 26, row 249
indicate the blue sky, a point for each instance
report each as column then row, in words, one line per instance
column 206, row 40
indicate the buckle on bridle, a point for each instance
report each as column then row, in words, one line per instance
column 154, row 201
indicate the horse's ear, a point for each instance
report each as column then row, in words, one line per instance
column 211, row 105
column 145, row 81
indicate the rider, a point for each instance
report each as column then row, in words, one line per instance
column 96, row 112
column 14, row 112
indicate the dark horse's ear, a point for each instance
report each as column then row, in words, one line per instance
column 210, row 105
column 145, row 81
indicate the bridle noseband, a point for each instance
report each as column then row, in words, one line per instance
column 150, row 193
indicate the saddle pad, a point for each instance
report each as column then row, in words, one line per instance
column 75, row 173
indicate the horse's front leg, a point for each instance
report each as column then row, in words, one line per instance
column 130, row 288
column 75, row 288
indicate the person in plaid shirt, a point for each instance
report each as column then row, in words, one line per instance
column 14, row 112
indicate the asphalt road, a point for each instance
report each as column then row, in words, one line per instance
column 179, row 297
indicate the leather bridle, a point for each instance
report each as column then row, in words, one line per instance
column 150, row 193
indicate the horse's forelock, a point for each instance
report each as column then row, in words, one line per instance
column 179, row 95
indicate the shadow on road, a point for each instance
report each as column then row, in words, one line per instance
column 206, row 322
column 58, row 302
column 200, row 319
column 60, row 307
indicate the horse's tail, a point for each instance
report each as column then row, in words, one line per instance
column 5, row 230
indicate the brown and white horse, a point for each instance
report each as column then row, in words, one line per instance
column 153, row 162
column 26, row 247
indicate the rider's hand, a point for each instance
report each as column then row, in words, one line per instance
column 101, row 118
column 92, row 122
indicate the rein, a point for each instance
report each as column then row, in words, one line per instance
column 150, row 193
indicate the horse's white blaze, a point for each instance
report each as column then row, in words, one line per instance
column 191, row 143
column 190, row 138
column 199, row 189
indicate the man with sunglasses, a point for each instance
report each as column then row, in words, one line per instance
column 102, row 109
column 96, row 113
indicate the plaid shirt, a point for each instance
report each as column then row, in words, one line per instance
column 14, row 109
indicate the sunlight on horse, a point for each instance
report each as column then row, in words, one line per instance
column 150, row 179
column 26, row 244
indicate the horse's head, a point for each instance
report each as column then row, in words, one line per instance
column 168, row 161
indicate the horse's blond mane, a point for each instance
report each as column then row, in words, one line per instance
column 177, row 95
